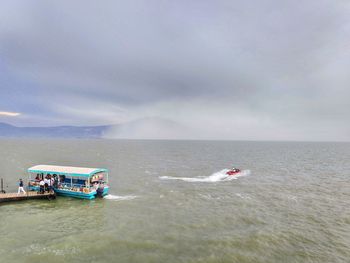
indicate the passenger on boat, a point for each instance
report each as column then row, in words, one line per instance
column 55, row 181
column 100, row 189
column 59, row 180
column 52, row 182
column 96, row 185
column 37, row 178
column 42, row 186
column 46, row 183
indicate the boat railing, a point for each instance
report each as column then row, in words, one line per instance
column 33, row 182
column 67, row 186
column 75, row 187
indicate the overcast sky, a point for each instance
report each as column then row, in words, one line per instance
column 241, row 70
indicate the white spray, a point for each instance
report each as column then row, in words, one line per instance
column 215, row 177
column 119, row 198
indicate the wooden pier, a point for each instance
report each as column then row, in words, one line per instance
column 8, row 197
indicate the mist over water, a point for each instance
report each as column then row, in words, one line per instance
column 170, row 202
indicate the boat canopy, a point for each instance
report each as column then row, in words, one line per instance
column 66, row 170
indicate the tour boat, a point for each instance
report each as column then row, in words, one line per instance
column 79, row 182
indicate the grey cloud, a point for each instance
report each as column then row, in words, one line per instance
column 280, row 61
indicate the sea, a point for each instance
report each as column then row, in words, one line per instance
column 170, row 201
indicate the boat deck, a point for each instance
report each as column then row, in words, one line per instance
column 8, row 197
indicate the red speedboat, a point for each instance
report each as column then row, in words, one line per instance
column 233, row 171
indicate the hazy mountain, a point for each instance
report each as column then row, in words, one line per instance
column 147, row 128
column 7, row 130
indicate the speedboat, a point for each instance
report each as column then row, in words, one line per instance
column 233, row 172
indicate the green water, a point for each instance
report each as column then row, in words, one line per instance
column 293, row 205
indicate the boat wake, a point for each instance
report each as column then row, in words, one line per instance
column 215, row 177
column 119, row 197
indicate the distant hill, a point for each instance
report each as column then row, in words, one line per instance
column 146, row 128
column 7, row 130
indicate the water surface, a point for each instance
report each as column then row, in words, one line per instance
column 292, row 205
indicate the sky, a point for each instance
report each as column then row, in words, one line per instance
column 226, row 70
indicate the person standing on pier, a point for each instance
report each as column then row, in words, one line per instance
column 20, row 187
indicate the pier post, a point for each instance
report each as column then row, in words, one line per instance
column 2, row 186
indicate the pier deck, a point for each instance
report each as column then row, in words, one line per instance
column 8, row 197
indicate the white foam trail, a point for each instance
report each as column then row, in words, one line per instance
column 215, row 177
column 119, row 198
column 243, row 196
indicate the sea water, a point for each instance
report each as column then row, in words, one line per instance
column 171, row 201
